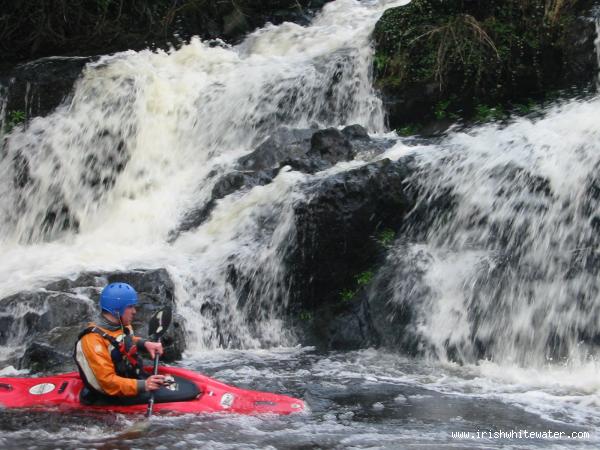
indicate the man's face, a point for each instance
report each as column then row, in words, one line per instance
column 128, row 315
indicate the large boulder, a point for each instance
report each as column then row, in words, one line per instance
column 339, row 248
column 47, row 321
column 443, row 60
column 285, row 143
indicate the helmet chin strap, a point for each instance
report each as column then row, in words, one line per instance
column 120, row 322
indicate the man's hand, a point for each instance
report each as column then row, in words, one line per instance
column 154, row 382
column 153, row 348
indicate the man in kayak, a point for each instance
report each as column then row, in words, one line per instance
column 106, row 352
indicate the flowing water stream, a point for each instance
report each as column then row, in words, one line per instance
column 509, row 273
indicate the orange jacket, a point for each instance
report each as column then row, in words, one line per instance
column 93, row 357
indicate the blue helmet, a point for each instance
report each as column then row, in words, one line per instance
column 116, row 297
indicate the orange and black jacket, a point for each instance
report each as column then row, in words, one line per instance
column 106, row 355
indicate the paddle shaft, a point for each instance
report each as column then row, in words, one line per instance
column 159, row 322
column 151, row 401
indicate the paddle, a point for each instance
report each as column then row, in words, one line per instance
column 159, row 322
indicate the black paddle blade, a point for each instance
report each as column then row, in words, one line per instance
column 159, row 322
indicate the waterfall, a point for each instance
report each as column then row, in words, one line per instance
column 509, row 267
column 597, row 43
column 101, row 183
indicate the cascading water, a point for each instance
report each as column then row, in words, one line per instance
column 102, row 182
column 597, row 43
column 511, row 262
column 504, row 268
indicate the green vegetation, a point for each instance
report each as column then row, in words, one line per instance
column 347, row 295
column 525, row 108
column 14, row 118
column 386, row 237
column 30, row 29
column 441, row 110
column 361, row 280
column 485, row 113
column 364, row 278
column 451, row 59
column 380, row 61
column 408, row 130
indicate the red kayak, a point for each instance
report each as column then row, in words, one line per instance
column 63, row 391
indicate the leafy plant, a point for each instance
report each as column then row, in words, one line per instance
column 407, row 130
column 380, row 61
column 485, row 113
column 14, row 118
column 347, row 295
column 461, row 54
column 364, row 278
column 525, row 108
column 440, row 109
column 386, row 237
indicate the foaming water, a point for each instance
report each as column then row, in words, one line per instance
column 102, row 183
column 506, row 277
column 510, row 263
column 365, row 399
column 597, row 43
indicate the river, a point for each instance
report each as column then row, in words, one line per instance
column 510, row 279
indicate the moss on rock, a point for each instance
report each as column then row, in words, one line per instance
column 441, row 59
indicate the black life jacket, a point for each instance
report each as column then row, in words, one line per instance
column 124, row 355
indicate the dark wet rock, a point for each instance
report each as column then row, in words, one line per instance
column 308, row 150
column 351, row 327
column 283, row 144
column 41, row 357
column 336, row 232
column 227, row 184
column 49, row 320
column 327, row 148
column 520, row 54
column 336, row 227
column 37, row 312
column 356, row 132
column 397, row 289
column 331, row 145
column 36, row 88
column 305, row 150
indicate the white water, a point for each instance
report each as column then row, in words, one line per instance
column 134, row 151
column 183, row 114
column 597, row 43
column 513, row 267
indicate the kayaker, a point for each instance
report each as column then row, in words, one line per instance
column 106, row 352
